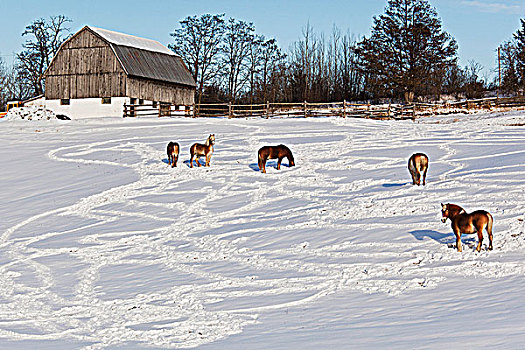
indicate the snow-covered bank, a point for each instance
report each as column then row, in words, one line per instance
column 30, row 113
column 105, row 246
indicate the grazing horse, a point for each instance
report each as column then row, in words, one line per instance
column 173, row 153
column 417, row 165
column 467, row 223
column 198, row 150
column 273, row 152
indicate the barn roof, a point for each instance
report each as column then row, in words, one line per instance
column 122, row 39
column 145, row 58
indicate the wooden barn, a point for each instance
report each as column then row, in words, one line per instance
column 97, row 71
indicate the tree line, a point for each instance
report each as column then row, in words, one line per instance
column 407, row 56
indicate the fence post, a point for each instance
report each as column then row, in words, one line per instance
column 304, row 109
column 267, row 109
column 230, row 114
column 388, row 112
column 344, row 108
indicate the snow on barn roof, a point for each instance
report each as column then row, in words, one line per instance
column 145, row 58
column 131, row 41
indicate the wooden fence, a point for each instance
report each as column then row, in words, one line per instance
column 157, row 110
column 305, row 109
column 308, row 109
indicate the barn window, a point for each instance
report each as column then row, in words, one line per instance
column 141, row 101
column 106, row 100
column 154, row 104
column 132, row 101
column 65, row 101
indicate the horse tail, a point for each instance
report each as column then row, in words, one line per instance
column 489, row 224
column 489, row 229
column 260, row 158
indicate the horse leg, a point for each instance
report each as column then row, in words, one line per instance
column 279, row 163
column 457, row 232
column 425, row 177
column 480, row 239
column 175, row 159
column 262, row 164
column 169, row 160
column 198, row 162
column 208, row 158
column 191, row 161
column 489, row 231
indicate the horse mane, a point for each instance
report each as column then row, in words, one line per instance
column 208, row 141
column 455, row 208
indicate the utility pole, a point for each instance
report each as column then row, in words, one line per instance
column 499, row 69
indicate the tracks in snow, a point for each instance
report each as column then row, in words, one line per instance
column 183, row 257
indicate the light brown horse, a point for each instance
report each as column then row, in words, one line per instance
column 173, row 153
column 417, row 165
column 467, row 223
column 198, row 150
column 274, row 152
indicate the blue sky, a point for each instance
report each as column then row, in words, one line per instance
column 479, row 26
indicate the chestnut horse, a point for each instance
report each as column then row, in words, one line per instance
column 198, row 150
column 417, row 165
column 273, row 152
column 173, row 153
column 467, row 223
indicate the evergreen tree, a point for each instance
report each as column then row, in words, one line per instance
column 407, row 53
column 519, row 39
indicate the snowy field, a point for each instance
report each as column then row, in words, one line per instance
column 103, row 246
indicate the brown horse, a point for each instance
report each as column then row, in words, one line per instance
column 198, row 150
column 417, row 165
column 467, row 223
column 173, row 153
column 273, row 152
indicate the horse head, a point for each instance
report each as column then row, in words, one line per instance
column 444, row 212
column 291, row 161
column 211, row 139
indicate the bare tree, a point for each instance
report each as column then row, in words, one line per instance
column 199, row 42
column 3, row 84
column 238, row 42
column 474, row 85
column 272, row 69
column 255, row 62
column 44, row 40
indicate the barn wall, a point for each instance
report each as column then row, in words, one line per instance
column 89, row 107
column 85, row 67
column 159, row 91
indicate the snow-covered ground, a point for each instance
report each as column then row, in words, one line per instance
column 102, row 245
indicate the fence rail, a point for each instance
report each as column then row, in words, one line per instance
column 314, row 109
column 304, row 109
column 157, row 110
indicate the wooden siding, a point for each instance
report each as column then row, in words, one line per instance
column 158, row 91
column 85, row 67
